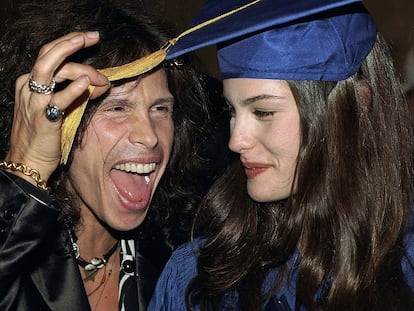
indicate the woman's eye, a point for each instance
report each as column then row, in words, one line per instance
column 263, row 114
column 230, row 110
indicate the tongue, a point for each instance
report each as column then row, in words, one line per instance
column 131, row 186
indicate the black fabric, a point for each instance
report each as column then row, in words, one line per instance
column 29, row 188
column 138, row 277
column 146, row 281
column 36, row 270
column 34, row 273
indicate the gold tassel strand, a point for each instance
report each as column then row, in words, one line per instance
column 139, row 66
column 69, row 127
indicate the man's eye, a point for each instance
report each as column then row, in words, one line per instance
column 163, row 108
column 115, row 108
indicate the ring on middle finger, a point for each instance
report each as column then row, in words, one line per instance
column 42, row 88
column 53, row 113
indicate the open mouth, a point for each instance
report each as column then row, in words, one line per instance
column 136, row 167
column 133, row 183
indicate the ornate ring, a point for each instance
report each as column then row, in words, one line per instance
column 41, row 88
column 53, row 113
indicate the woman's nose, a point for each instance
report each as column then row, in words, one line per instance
column 239, row 136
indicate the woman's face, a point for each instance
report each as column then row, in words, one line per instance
column 265, row 131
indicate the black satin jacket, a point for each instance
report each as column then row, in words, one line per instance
column 36, row 270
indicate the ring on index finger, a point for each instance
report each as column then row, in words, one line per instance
column 53, row 113
column 41, row 88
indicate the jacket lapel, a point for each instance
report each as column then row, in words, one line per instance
column 58, row 280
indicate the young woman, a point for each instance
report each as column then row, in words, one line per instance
column 69, row 235
column 315, row 214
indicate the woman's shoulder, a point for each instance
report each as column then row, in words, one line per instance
column 408, row 258
column 409, row 235
column 180, row 269
column 188, row 252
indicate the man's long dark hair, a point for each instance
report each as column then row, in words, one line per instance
column 128, row 31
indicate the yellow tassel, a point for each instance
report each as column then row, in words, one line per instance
column 135, row 68
column 70, row 126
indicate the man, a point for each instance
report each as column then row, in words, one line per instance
column 69, row 215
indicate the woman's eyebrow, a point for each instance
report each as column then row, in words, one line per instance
column 257, row 98
column 251, row 100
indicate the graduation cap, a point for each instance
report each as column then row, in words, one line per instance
column 284, row 39
column 275, row 39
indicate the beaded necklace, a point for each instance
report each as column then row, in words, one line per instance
column 96, row 263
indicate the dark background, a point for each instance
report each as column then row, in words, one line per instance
column 395, row 20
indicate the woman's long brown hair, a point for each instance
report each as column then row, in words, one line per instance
column 349, row 213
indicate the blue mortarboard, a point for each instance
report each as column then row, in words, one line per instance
column 283, row 39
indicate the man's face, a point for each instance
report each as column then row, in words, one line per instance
column 124, row 152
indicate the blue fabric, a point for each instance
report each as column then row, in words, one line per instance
column 289, row 40
column 172, row 284
column 262, row 15
column 329, row 49
column 171, row 288
column 408, row 260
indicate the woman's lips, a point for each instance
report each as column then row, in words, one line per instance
column 254, row 169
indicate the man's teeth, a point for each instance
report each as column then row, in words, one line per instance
column 136, row 167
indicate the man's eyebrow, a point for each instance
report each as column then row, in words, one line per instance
column 165, row 100
column 115, row 99
column 161, row 100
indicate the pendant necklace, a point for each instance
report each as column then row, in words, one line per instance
column 91, row 268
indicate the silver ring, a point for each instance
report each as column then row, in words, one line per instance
column 41, row 88
column 53, row 113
